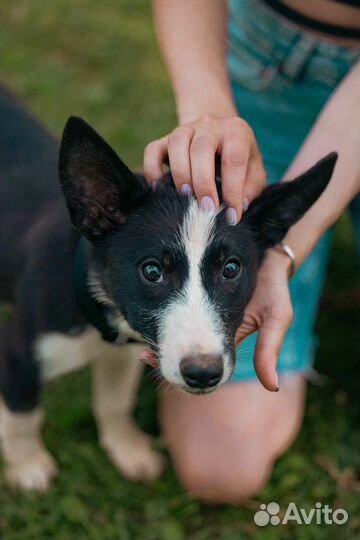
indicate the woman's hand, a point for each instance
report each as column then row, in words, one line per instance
column 270, row 312
column 191, row 150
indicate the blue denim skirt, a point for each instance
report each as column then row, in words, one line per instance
column 281, row 79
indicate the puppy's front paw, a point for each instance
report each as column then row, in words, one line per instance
column 130, row 451
column 32, row 474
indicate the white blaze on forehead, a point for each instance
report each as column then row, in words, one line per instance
column 196, row 233
column 190, row 324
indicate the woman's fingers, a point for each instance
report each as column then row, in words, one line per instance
column 270, row 338
column 248, row 327
column 270, row 313
column 154, row 156
column 202, row 159
column 243, row 175
column 191, row 151
column 179, row 158
column 255, row 178
column 234, row 165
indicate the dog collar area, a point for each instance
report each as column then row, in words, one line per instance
column 93, row 311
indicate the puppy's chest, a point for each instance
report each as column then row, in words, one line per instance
column 59, row 353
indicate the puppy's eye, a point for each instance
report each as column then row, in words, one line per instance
column 151, row 271
column 232, row 269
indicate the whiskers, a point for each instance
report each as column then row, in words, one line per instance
column 154, row 346
column 160, row 383
column 155, row 375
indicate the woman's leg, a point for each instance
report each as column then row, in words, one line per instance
column 223, row 445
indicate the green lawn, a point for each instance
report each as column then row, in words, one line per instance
column 99, row 60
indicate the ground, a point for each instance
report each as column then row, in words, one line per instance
column 99, row 60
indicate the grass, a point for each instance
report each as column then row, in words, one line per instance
column 99, row 60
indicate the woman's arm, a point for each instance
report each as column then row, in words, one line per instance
column 192, row 37
column 270, row 310
column 337, row 128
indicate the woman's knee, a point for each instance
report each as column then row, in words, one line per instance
column 223, row 479
column 222, row 456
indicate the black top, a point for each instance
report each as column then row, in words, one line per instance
column 327, row 28
column 355, row 3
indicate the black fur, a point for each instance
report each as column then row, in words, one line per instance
column 147, row 234
column 99, row 189
column 37, row 244
column 283, row 204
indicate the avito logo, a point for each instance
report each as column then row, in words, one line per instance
column 319, row 515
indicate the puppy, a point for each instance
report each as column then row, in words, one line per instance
column 102, row 267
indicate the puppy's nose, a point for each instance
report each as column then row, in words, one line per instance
column 202, row 371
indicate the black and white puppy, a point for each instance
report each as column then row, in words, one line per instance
column 133, row 266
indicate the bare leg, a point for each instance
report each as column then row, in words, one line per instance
column 116, row 377
column 224, row 444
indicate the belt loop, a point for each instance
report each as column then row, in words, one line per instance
column 293, row 65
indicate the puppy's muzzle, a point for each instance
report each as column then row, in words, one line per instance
column 202, row 371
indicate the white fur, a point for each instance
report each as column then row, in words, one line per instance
column 124, row 329
column 28, row 465
column 97, row 289
column 116, row 318
column 116, row 375
column 190, row 324
column 60, row 353
column 115, row 382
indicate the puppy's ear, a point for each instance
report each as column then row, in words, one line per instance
column 283, row 204
column 99, row 189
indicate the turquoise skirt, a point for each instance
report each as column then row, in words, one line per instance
column 281, row 79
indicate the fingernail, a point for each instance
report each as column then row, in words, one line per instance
column 207, row 204
column 231, row 216
column 277, row 382
column 154, row 185
column 186, row 189
column 246, row 204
